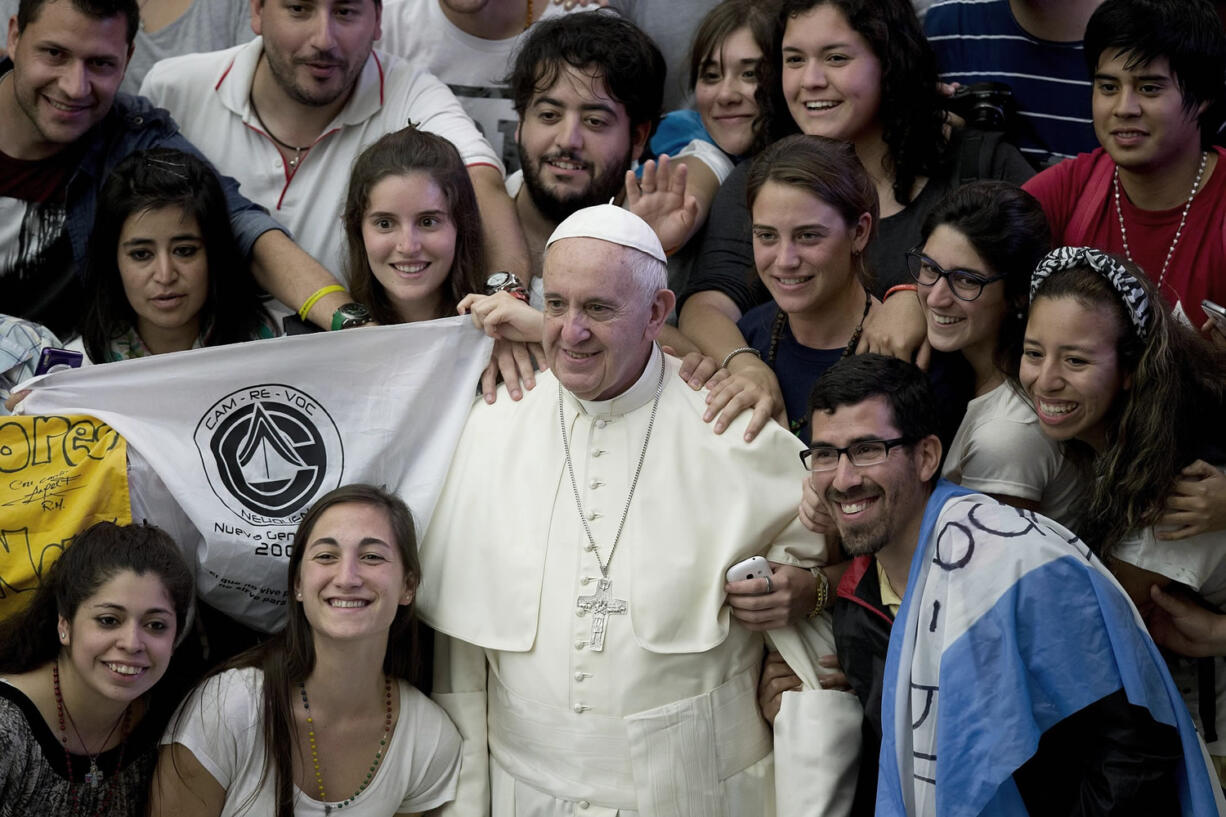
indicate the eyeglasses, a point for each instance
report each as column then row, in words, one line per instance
column 964, row 284
column 865, row 452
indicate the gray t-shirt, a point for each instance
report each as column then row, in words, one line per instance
column 207, row 25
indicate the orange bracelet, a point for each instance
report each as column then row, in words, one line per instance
column 898, row 288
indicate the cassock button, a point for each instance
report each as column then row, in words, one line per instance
column 596, row 452
column 580, row 645
column 601, row 423
column 596, row 484
column 580, row 709
column 584, row 804
column 579, row 677
column 593, row 516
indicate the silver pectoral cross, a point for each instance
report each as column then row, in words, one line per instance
column 601, row 605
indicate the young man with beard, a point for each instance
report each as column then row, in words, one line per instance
column 1001, row 668
column 1153, row 192
column 588, row 91
column 287, row 114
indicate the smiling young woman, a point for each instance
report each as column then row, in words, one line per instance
column 337, row 721
column 77, row 670
column 1137, row 396
column 972, row 271
column 859, row 71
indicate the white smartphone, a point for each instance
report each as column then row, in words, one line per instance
column 755, row 567
column 1215, row 311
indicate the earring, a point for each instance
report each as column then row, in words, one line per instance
column 299, row 597
column 63, row 636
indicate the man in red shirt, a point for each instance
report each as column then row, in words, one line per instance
column 1152, row 192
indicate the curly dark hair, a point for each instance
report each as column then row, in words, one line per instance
column 598, row 43
column 911, row 111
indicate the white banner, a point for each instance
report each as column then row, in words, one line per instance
column 247, row 437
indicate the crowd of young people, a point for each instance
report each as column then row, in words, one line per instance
column 817, row 199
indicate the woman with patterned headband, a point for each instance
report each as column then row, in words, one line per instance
column 1137, row 396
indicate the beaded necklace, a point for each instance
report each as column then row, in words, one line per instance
column 94, row 776
column 781, row 321
column 370, row 773
column 1183, row 217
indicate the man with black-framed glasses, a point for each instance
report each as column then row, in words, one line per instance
column 1001, row 668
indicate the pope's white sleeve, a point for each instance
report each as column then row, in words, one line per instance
column 460, row 689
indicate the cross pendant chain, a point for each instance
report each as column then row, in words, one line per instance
column 601, row 605
column 94, row 776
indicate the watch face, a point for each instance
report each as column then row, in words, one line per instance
column 354, row 312
column 498, row 280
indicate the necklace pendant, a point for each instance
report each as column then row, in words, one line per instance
column 601, row 605
column 94, row 776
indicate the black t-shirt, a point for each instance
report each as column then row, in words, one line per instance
column 38, row 280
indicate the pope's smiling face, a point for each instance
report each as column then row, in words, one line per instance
column 600, row 322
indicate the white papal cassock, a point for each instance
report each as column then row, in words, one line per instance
column 662, row 722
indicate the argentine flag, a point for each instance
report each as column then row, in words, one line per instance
column 1009, row 625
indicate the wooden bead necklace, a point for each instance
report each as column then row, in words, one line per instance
column 370, row 773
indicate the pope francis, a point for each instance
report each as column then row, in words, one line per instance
column 574, row 569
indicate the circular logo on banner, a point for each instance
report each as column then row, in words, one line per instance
column 269, row 451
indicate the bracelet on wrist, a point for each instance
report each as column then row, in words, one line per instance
column 305, row 309
column 823, row 592
column 740, row 350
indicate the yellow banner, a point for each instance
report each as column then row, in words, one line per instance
column 58, row 476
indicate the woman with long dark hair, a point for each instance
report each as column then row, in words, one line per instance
column 79, row 714
column 164, row 273
column 412, row 229
column 972, row 271
column 1135, row 396
column 323, row 716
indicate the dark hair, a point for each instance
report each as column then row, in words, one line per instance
column 94, row 557
column 1008, row 229
column 405, row 151
column 903, row 385
column 1188, row 33
column 597, row 43
column 288, row 657
column 828, row 169
column 1170, row 412
column 149, row 180
column 721, row 22
column 28, row 11
column 912, row 110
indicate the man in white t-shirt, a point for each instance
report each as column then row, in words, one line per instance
column 287, row 114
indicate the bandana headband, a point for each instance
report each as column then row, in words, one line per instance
column 1122, row 281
